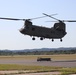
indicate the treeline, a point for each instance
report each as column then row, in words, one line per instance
column 37, row 52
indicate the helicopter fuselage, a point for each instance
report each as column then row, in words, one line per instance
column 43, row 32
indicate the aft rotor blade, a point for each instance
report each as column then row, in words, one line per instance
column 51, row 17
column 63, row 21
column 69, row 20
column 11, row 19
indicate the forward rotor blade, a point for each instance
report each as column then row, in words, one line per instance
column 11, row 19
column 51, row 21
column 42, row 17
column 25, row 19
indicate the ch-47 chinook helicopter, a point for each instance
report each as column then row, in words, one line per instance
column 58, row 31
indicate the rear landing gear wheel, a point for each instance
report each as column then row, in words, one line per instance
column 41, row 38
column 52, row 40
column 33, row 38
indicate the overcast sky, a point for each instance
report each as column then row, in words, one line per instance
column 11, row 38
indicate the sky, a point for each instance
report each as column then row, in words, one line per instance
column 11, row 38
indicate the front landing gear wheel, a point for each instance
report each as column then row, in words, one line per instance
column 61, row 40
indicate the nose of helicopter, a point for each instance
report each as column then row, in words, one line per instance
column 22, row 30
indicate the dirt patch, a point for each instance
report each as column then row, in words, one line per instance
column 13, row 72
column 44, row 73
column 16, row 72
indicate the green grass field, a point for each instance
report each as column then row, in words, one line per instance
column 25, row 67
column 31, row 68
column 35, row 69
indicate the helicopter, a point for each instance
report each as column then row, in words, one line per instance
column 58, row 31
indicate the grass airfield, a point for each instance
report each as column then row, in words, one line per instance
column 62, row 64
column 34, row 57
